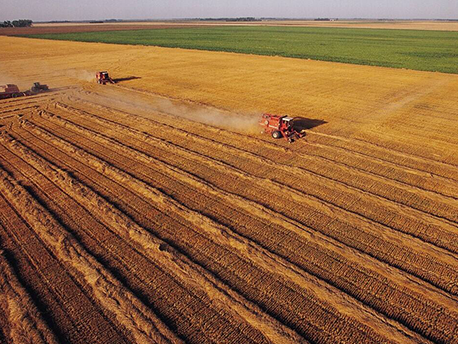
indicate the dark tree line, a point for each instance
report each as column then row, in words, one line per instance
column 17, row 23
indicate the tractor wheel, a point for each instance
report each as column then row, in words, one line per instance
column 276, row 134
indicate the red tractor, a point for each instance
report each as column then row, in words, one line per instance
column 280, row 126
column 103, row 78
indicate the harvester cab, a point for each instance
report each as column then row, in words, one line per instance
column 280, row 126
column 103, row 78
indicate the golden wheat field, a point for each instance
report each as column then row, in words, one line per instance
column 153, row 210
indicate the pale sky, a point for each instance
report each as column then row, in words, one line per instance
column 44, row 10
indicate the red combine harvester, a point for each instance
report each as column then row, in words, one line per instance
column 10, row 91
column 103, row 78
column 280, row 126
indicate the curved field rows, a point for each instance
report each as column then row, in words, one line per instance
column 82, row 142
column 306, row 307
column 143, row 268
column 129, row 217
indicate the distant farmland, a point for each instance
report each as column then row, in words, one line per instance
column 410, row 49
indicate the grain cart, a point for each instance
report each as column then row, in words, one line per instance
column 280, row 126
column 103, row 78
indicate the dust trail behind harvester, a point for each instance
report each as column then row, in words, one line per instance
column 146, row 103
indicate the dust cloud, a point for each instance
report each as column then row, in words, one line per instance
column 82, row 75
column 149, row 104
column 211, row 116
column 6, row 78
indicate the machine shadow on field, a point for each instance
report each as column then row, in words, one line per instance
column 126, row 79
column 301, row 123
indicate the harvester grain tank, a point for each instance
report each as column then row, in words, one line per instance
column 280, row 126
column 103, row 78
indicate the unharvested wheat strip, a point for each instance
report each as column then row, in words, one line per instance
column 388, row 331
column 123, row 178
column 443, row 212
column 26, row 324
column 186, row 270
column 224, row 168
column 128, row 310
column 390, row 141
column 406, row 176
column 431, row 167
column 388, row 150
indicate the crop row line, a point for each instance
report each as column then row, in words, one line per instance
column 405, row 178
column 3, row 112
column 433, row 168
column 37, row 257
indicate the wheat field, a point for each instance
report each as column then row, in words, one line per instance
column 153, row 210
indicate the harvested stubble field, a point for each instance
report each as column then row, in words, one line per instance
column 152, row 211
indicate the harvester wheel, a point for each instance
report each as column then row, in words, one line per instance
column 276, row 134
